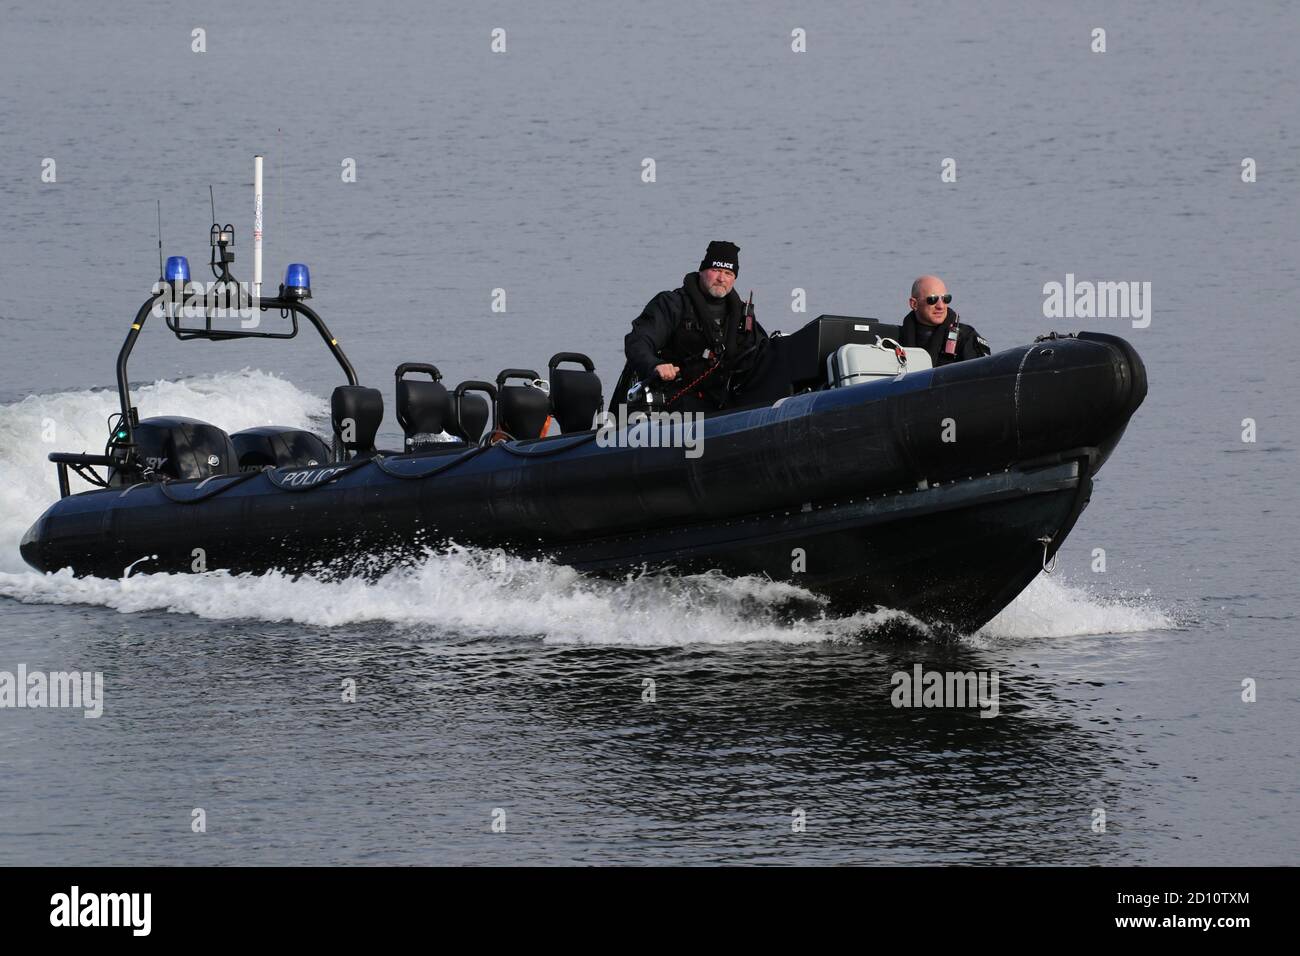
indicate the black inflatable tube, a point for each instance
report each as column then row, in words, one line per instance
column 961, row 421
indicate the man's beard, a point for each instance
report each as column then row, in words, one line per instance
column 718, row 291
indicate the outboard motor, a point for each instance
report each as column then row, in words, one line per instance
column 522, row 410
column 470, row 412
column 356, row 413
column 423, row 408
column 576, row 396
column 279, row 447
column 182, row 448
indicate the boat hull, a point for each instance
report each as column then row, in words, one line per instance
column 951, row 556
column 939, row 493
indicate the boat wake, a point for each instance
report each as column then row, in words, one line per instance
column 464, row 592
column 475, row 593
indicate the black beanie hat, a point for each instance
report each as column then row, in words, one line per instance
column 722, row 255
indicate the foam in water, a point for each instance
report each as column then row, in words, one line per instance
column 467, row 591
column 474, row 592
column 1051, row 608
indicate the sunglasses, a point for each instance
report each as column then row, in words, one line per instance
column 934, row 299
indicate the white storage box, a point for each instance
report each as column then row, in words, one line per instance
column 855, row 364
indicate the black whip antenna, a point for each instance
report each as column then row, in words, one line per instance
column 160, row 255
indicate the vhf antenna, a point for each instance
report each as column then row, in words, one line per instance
column 160, row 255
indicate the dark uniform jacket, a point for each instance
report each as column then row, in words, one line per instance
column 675, row 327
column 970, row 344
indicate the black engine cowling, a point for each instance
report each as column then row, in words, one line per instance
column 279, row 447
column 184, row 448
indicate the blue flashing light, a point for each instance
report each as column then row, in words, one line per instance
column 297, row 280
column 177, row 269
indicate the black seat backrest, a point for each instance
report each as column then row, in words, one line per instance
column 423, row 408
column 356, row 412
column 469, row 417
column 278, row 446
column 522, row 410
column 576, row 396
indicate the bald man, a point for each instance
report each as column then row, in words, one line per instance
column 933, row 326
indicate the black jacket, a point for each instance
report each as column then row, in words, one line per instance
column 970, row 344
column 673, row 328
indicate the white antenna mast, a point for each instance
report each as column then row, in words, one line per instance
column 257, row 226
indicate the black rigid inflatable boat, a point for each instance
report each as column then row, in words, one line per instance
column 941, row 492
